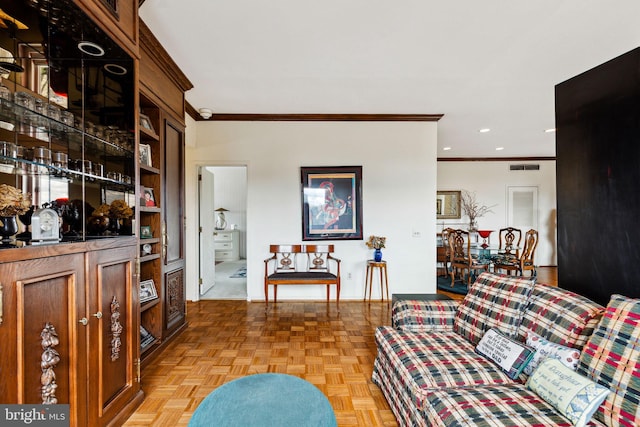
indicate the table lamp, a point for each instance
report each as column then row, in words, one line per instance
column 221, row 221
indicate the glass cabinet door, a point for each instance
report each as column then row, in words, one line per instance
column 66, row 119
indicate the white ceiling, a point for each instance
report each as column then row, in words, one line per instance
column 482, row 63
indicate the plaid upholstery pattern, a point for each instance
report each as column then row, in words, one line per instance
column 560, row 316
column 611, row 358
column 422, row 316
column 492, row 406
column 423, row 363
column 494, row 301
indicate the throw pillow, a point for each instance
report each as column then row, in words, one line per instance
column 494, row 301
column 543, row 348
column 510, row 355
column 573, row 395
column 611, row 357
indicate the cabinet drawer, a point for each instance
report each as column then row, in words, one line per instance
column 223, row 237
column 224, row 245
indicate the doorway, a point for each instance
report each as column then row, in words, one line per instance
column 222, row 207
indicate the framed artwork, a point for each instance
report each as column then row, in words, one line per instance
column 145, row 232
column 331, row 203
column 145, row 123
column 145, row 154
column 147, row 291
column 448, row 205
column 148, row 199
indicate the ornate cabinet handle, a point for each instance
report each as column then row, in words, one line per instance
column 98, row 315
column 84, row 321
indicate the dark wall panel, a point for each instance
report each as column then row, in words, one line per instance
column 598, row 179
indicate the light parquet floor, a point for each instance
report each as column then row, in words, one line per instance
column 334, row 350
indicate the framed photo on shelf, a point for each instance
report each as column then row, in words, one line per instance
column 145, row 154
column 147, row 291
column 145, row 337
column 148, row 199
column 145, row 232
column 145, row 122
column 331, row 203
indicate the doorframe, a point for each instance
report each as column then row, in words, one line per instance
column 243, row 240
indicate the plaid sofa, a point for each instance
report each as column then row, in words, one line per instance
column 430, row 374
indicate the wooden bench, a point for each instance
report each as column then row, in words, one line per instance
column 301, row 265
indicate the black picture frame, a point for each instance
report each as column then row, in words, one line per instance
column 331, row 202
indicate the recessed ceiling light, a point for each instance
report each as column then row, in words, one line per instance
column 116, row 69
column 484, row 130
column 499, row 148
column 446, row 148
column 90, row 48
column 550, row 130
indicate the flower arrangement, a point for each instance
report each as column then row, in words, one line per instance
column 472, row 208
column 13, row 201
column 376, row 242
column 120, row 209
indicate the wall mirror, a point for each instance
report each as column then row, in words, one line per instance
column 448, row 205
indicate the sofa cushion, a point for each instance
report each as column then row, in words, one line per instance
column 544, row 348
column 510, row 355
column 560, row 316
column 573, row 394
column 420, row 316
column 494, row 301
column 611, row 357
column 495, row 406
column 434, row 360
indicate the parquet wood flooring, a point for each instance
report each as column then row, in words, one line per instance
column 225, row 340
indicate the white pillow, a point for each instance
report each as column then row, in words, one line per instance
column 567, row 355
column 573, row 395
column 510, row 355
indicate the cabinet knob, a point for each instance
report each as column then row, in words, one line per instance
column 98, row 315
column 84, row 321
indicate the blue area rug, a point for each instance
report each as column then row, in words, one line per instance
column 459, row 287
column 241, row 272
column 264, row 400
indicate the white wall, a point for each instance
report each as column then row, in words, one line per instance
column 490, row 181
column 399, row 184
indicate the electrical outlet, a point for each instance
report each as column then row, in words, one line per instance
column 416, row 234
column 349, row 276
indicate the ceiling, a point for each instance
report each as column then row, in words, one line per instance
column 483, row 64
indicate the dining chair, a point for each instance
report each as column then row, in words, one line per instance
column 509, row 239
column 461, row 258
column 445, row 259
column 525, row 260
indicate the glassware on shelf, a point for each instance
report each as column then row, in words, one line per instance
column 42, row 155
column 98, row 169
column 8, row 151
column 60, row 159
column 67, row 118
column 25, row 99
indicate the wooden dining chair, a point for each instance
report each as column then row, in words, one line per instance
column 525, row 260
column 445, row 259
column 461, row 258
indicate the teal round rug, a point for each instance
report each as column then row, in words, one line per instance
column 265, row 400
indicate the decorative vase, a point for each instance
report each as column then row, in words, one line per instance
column 9, row 229
column 98, row 224
column 473, row 225
column 377, row 255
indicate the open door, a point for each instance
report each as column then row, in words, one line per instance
column 206, row 227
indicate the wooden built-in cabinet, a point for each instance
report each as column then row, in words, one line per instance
column 74, row 311
column 162, row 88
